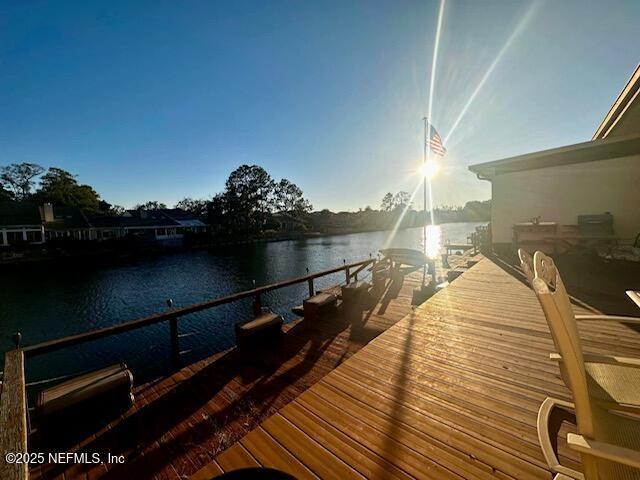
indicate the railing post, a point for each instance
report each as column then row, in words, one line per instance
column 311, row 289
column 346, row 271
column 257, row 306
column 175, row 344
column 173, row 335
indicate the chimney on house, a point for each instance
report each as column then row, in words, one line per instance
column 47, row 212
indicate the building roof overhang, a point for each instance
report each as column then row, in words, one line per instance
column 624, row 115
column 591, row 151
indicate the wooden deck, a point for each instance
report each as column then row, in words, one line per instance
column 450, row 391
column 180, row 423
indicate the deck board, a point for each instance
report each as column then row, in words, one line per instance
column 179, row 424
column 450, row 391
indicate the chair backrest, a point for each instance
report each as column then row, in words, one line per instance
column 556, row 305
column 526, row 262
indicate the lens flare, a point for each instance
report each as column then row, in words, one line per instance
column 434, row 58
column 531, row 10
column 428, row 169
column 392, row 233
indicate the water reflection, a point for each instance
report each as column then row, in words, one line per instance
column 52, row 303
column 433, row 240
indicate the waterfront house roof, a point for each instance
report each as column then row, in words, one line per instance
column 19, row 214
column 163, row 218
column 184, row 218
column 617, row 136
column 591, row 151
column 14, row 214
column 623, row 118
column 106, row 221
column 67, row 218
column 147, row 218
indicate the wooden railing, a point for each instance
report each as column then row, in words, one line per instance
column 13, row 404
column 172, row 316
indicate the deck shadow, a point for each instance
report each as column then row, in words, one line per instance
column 220, row 400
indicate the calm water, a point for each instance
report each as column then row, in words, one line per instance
column 59, row 302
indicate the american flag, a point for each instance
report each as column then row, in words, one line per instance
column 435, row 142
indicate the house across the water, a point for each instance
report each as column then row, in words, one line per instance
column 577, row 193
column 20, row 223
column 23, row 224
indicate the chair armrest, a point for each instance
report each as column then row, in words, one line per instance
column 544, row 437
column 608, row 359
column 634, row 296
column 614, row 453
column 611, row 318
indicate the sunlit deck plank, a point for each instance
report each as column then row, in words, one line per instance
column 450, row 391
column 179, row 424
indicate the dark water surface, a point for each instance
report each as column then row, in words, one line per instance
column 53, row 302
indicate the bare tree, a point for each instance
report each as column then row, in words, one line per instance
column 19, row 178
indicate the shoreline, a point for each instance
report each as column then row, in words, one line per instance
column 35, row 258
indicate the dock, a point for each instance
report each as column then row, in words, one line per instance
column 179, row 423
column 450, row 391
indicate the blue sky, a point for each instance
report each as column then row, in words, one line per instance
column 160, row 100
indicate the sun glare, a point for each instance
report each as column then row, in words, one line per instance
column 433, row 241
column 429, row 169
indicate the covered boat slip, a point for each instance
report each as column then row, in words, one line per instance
column 450, row 391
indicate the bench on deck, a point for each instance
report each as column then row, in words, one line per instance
column 353, row 294
column 266, row 326
column 318, row 305
column 95, row 393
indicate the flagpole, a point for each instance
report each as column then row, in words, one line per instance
column 424, row 194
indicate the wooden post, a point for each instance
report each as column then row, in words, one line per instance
column 13, row 416
column 311, row 289
column 175, row 344
column 257, row 306
column 347, row 275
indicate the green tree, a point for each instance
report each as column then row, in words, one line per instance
column 115, row 210
column 20, row 178
column 387, row 202
column 249, row 197
column 401, row 200
column 195, row 207
column 60, row 187
column 151, row 205
column 289, row 198
column 5, row 195
column 217, row 214
column 477, row 211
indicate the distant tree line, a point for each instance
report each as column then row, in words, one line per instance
column 246, row 206
column 251, row 204
column 397, row 209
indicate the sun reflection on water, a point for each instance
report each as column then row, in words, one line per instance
column 433, row 241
